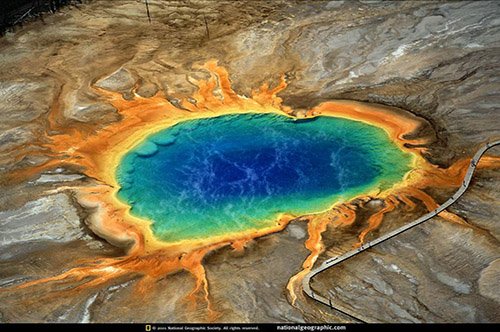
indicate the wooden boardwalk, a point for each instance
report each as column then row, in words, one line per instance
column 339, row 259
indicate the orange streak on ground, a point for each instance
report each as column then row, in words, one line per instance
column 491, row 162
column 229, row 96
column 266, row 96
column 347, row 214
column 431, row 204
column 239, row 245
column 376, row 219
column 396, row 123
column 410, row 205
column 317, row 226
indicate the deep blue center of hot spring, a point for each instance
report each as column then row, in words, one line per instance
column 233, row 173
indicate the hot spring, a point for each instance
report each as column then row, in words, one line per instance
column 236, row 173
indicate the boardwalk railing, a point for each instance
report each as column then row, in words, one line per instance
column 339, row 259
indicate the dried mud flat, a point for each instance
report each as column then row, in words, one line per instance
column 436, row 60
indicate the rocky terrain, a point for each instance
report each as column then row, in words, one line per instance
column 438, row 60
